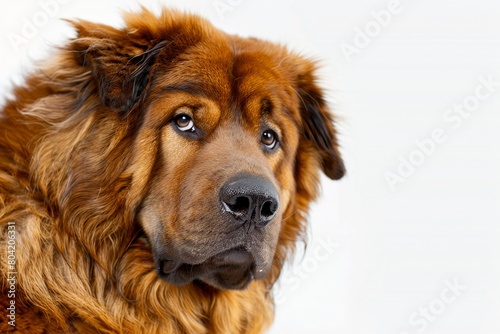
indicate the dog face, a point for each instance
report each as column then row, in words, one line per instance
column 230, row 133
column 224, row 127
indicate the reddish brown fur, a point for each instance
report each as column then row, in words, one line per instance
column 86, row 156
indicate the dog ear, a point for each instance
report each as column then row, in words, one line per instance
column 317, row 122
column 120, row 64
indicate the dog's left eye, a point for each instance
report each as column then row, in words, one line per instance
column 269, row 139
column 184, row 123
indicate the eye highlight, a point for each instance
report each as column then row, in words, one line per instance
column 184, row 123
column 269, row 139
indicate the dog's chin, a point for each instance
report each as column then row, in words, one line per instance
column 229, row 281
column 230, row 270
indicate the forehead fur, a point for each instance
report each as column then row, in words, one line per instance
column 226, row 66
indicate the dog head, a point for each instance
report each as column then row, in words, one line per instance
column 228, row 135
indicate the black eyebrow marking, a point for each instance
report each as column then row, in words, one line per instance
column 186, row 87
column 266, row 106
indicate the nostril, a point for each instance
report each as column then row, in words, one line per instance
column 241, row 205
column 268, row 209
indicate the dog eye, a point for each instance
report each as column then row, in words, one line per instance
column 269, row 139
column 184, row 123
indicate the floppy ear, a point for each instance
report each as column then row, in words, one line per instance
column 317, row 122
column 120, row 64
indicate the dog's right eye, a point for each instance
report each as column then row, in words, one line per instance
column 184, row 123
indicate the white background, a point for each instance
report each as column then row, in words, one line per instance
column 376, row 256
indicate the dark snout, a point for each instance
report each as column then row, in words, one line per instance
column 250, row 204
column 250, row 199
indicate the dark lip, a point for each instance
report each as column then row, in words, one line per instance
column 169, row 266
column 240, row 285
column 179, row 273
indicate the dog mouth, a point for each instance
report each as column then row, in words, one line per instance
column 233, row 269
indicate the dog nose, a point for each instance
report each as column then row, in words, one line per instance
column 250, row 198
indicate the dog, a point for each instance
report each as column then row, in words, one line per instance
column 154, row 178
